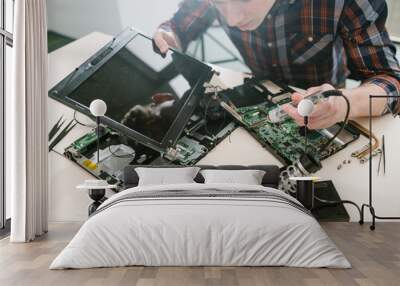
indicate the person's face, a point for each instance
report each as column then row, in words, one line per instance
column 245, row 15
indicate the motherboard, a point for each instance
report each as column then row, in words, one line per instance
column 252, row 103
column 117, row 151
column 286, row 137
column 199, row 137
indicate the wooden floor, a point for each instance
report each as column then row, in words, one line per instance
column 375, row 257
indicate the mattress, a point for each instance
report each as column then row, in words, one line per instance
column 201, row 225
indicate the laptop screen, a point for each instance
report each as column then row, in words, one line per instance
column 143, row 91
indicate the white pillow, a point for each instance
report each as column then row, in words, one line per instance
column 163, row 176
column 247, row 177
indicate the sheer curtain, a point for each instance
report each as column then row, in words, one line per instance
column 27, row 123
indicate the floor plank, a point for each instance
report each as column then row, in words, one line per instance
column 375, row 257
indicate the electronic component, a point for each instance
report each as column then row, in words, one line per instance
column 115, row 154
column 363, row 152
column 186, row 152
column 83, row 152
column 271, row 87
column 286, row 138
column 83, row 143
column 277, row 114
column 280, row 134
column 365, row 159
column 201, row 135
column 114, row 158
column 281, row 98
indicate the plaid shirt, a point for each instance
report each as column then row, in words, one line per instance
column 307, row 42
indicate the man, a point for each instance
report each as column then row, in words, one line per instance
column 304, row 43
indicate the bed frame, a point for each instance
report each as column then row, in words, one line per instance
column 270, row 179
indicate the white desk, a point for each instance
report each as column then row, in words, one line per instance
column 67, row 204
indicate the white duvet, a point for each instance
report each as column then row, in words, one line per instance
column 200, row 231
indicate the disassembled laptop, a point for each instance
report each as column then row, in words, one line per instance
column 206, row 117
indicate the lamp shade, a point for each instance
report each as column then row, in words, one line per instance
column 98, row 107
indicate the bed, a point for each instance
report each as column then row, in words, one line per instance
column 201, row 224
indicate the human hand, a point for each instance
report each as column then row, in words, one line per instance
column 164, row 40
column 326, row 113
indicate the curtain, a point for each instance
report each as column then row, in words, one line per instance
column 27, row 139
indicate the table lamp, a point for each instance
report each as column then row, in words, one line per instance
column 370, row 204
column 98, row 108
column 305, row 108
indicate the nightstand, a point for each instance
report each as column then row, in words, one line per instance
column 96, row 191
column 305, row 190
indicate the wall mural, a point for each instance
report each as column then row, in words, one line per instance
column 163, row 110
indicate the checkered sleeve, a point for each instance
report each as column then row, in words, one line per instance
column 370, row 52
column 191, row 20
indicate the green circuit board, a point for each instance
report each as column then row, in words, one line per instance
column 88, row 139
column 285, row 138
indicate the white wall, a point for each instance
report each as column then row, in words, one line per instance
column 76, row 18
column 394, row 17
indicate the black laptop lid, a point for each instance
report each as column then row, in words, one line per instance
column 147, row 95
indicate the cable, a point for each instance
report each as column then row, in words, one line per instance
column 333, row 203
column 126, row 156
column 82, row 124
column 337, row 93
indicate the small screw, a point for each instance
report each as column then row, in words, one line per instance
column 344, row 162
column 348, row 161
column 339, row 167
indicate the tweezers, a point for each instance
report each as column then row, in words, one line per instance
column 384, row 154
column 379, row 163
column 56, row 127
column 62, row 134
